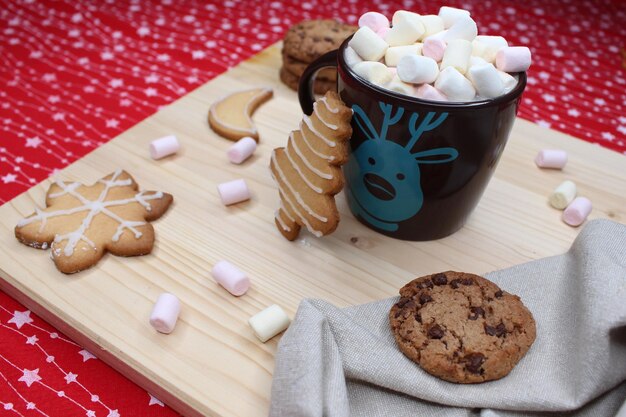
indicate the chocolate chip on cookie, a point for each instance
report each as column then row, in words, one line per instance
column 461, row 327
column 310, row 39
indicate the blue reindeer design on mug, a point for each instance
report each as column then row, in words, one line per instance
column 384, row 177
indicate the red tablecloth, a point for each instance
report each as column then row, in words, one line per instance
column 77, row 73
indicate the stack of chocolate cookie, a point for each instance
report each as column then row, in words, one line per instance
column 307, row 41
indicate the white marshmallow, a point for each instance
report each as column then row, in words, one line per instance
column 496, row 41
column 434, row 48
column 513, row 59
column 404, row 15
column 269, row 322
column 241, row 150
column 476, row 60
column 397, row 85
column 450, row 15
column 563, row 195
column 165, row 146
column 432, row 24
column 394, row 53
column 417, row 69
column 374, row 72
column 508, row 81
column 368, row 44
column 351, row 57
column 454, row 85
column 464, row 28
column 484, row 51
column 165, row 313
column 405, row 32
column 486, row 80
column 457, row 55
column 439, row 35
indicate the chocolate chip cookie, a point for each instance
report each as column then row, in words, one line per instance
column 461, row 327
column 297, row 68
column 308, row 40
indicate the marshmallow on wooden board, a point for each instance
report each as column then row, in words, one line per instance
column 450, row 15
column 394, row 53
column 551, row 158
column 513, row 59
column 432, row 24
column 233, row 192
column 454, row 85
column 397, row 85
column 486, row 80
column 416, row 69
column 428, row 92
column 508, row 81
column 165, row 146
column 241, row 150
column 464, row 28
column 434, row 48
column 457, row 55
column 165, row 313
column 368, row 44
column 405, row 32
column 269, row 322
column 374, row 72
column 563, row 195
column 373, row 20
column 351, row 57
column 231, row 278
column 577, row 211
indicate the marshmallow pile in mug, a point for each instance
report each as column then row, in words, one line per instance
column 434, row 57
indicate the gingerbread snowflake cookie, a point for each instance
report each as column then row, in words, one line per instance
column 461, row 327
column 81, row 223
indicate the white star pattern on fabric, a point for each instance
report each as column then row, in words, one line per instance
column 70, row 377
column 20, row 318
column 91, row 413
column 113, row 413
column 32, row 340
column 30, row 377
column 33, row 142
column 86, row 355
column 154, row 401
column 31, row 406
column 9, row 178
column 608, row 136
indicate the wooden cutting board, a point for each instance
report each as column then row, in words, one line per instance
column 212, row 365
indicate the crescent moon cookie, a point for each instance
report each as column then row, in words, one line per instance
column 461, row 327
column 81, row 223
column 308, row 169
column 231, row 117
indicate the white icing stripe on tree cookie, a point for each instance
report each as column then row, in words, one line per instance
column 308, row 163
column 281, row 221
column 311, row 147
column 308, row 225
column 299, row 171
column 286, row 213
column 307, row 120
column 330, row 109
column 299, row 199
column 95, row 207
column 319, row 117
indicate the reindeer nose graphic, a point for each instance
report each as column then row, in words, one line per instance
column 379, row 187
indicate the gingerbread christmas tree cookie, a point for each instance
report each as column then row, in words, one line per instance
column 81, row 223
column 308, row 169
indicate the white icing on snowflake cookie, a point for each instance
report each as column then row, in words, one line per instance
column 81, row 223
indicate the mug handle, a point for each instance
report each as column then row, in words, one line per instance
column 305, row 87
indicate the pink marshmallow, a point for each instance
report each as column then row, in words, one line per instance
column 382, row 32
column 392, row 70
column 231, row 278
column 513, row 59
column 164, row 146
column 374, row 21
column 577, row 211
column 241, row 150
column 165, row 313
column 434, row 48
column 551, row 158
column 233, row 192
column 428, row 92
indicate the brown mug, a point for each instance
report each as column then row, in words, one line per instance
column 417, row 168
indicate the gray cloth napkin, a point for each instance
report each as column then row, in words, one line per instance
column 336, row 362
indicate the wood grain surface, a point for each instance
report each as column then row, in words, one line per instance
column 212, row 365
